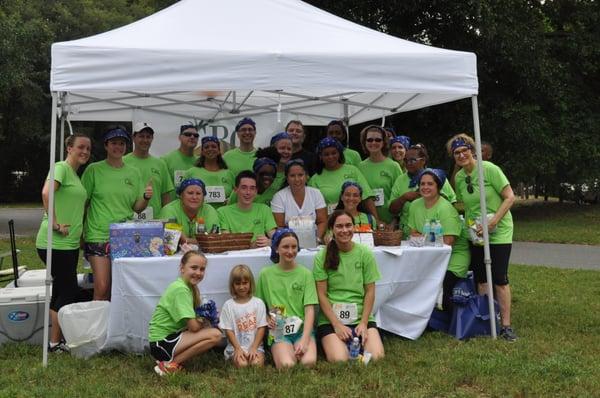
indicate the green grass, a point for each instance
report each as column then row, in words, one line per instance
column 554, row 222
column 26, row 205
column 554, row 313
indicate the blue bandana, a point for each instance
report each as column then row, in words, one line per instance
column 209, row 138
column 347, row 184
column 184, row 127
column 116, row 133
column 280, row 136
column 294, row 162
column 402, row 139
column 245, row 120
column 276, row 239
column 260, row 162
column 457, row 143
column 438, row 175
column 329, row 142
column 191, row 181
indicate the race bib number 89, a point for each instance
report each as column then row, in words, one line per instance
column 347, row 313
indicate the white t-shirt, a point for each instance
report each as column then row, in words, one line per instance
column 283, row 202
column 244, row 320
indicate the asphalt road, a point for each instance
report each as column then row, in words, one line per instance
column 27, row 222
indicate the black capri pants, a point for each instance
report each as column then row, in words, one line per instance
column 65, row 289
column 500, row 255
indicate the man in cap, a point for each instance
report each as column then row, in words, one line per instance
column 181, row 159
column 242, row 158
column 151, row 169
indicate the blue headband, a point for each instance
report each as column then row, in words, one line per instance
column 209, row 138
column 438, row 175
column 294, row 162
column 116, row 133
column 347, row 184
column 280, row 136
column 402, row 139
column 190, row 181
column 457, row 143
column 260, row 162
column 245, row 120
column 329, row 142
column 276, row 239
column 184, row 127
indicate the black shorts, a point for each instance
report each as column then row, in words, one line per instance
column 164, row 350
column 98, row 249
column 65, row 289
column 327, row 329
column 500, row 255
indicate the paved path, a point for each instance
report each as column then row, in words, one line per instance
column 27, row 222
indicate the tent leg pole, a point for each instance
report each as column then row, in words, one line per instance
column 50, row 231
column 484, row 221
column 62, row 138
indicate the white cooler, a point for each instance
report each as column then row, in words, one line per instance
column 30, row 278
column 22, row 314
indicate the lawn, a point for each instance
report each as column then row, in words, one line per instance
column 557, row 354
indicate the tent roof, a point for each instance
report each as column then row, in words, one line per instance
column 196, row 53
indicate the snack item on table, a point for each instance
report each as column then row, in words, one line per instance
column 172, row 236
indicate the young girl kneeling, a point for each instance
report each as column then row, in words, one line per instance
column 288, row 289
column 174, row 333
column 244, row 320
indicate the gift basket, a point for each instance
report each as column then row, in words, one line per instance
column 219, row 243
column 387, row 238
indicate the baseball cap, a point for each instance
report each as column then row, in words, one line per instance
column 139, row 126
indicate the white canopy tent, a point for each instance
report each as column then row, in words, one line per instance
column 216, row 62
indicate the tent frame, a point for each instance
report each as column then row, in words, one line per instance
column 237, row 110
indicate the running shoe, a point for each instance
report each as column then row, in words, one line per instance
column 508, row 334
column 167, row 367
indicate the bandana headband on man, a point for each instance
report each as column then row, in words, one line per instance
column 459, row 142
column 245, row 120
column 184, row 127
column 191, row 181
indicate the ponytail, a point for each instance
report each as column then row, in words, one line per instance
column 193, row 288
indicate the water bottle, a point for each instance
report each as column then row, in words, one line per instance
column 279, row 324
column 354, row 348
column 439, row 234
column 427, row 232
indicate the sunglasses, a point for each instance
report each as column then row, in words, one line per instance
column 411, row 160
column 469, row 184
column 374, row 139
column 195, row 135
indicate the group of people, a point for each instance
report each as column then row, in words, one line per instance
column 255, row 190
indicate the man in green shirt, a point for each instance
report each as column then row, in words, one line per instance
column 242, row 158
column 182, row 159
column 151, row 169
column 245, row 215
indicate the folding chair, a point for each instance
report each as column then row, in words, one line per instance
column 16, row 271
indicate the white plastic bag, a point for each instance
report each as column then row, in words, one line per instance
column 84, row 326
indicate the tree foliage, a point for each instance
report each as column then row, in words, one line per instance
column 537, row 66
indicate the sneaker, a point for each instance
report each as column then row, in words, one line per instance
column 508, row 334
column 59, row 348
column 167, row 367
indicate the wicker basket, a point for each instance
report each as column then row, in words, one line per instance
column 387, row 238
column 219, row 243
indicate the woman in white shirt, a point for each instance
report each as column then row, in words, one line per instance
column 296, row 199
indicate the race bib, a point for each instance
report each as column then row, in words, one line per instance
column 292, row 325
column 178, row 177
column 215, row 194
column 347, row 313
column 146, row 215
column 379, row 196
column 331, row 208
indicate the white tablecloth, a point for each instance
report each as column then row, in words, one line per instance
column 405, row 295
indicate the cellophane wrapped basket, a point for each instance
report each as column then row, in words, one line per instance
column 219, row 243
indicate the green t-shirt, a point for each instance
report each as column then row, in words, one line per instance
column 112, row 192
column 447, row 215
column 401, row 186
column 381, row 177
column 258, row 219
column 174, row 210
column 155, row 168
column 265, row 197
column 239, row 161
column 292, row 290
column 330, row 182
column 352, row 157
column 172, row 312
column 357, row 268
column 177, row 164
column 363, row 219
column 494, row 182
column 222, row 178
column 69, row 205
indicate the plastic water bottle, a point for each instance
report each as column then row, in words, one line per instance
column 279, row 324
column 354, row 348
column 427, row 232
column 439, row 234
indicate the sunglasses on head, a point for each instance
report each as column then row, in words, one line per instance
column 188, row 134
column 374, row 139
column 469, row 184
